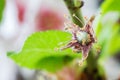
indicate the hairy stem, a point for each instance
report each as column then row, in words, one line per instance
column 74, row 8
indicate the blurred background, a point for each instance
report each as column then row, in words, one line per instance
column 23, row 17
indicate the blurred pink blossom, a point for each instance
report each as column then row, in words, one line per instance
column 49, row 19
column 21, row 7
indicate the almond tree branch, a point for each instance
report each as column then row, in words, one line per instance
column 74, row 8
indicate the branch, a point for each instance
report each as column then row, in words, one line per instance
column 74, row 8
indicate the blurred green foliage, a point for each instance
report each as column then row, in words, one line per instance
column 2, row 5
column 108, row 27
column 39, row 51
column 110, row 5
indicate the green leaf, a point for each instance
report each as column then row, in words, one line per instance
column 107, row 28
column 108, row 33
column 110, row 5
column 113, row 44
column 39, row 51
column 2, row 5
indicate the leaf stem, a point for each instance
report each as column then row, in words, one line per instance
column 74, row 8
